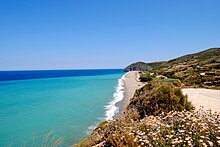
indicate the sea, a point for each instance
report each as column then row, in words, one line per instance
column 42, row 107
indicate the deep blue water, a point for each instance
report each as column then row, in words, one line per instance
column 37, row 74
column 70, row 102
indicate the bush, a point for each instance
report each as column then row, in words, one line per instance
column 145, row 78
column 170, row 74
column 155, row 98
column 194, row 128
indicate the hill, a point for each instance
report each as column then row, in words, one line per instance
column 209, row 55
column 141, row 66
column 201, row 69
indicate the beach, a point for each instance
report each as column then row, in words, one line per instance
column 208, row 98
column 131, row 83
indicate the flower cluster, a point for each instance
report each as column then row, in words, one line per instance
column 184, row 128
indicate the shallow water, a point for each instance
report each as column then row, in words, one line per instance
column 70, row 106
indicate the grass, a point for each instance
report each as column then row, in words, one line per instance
column 176, row 128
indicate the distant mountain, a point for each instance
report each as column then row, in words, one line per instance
column 141, row 66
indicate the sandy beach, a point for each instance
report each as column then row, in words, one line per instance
column 131, row 83
column 208, row 98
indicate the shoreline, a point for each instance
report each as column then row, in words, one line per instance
column 206, row 98
column 131, row 84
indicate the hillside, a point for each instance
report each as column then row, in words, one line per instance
column 141, row 66
column 197, row 57
column 201, row 69
column 203, row 57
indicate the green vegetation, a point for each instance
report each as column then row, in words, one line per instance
column 154, row 99
column 157, row 97
column 195, row 128
column 195, row 70
column 159, row 114
column 145, row 78
column 142, row 66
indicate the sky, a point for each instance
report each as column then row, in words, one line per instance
column 97, row 34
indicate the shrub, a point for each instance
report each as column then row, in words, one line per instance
column 145, row 78
column 185, row 128
column 170, row 74
column 155, row 98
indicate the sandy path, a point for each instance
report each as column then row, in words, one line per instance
column 208, row 98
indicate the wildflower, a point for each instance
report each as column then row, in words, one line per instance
column 210, row 143
column 135, row 139
column 167, row 126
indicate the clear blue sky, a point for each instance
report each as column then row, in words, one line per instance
column 75, row 34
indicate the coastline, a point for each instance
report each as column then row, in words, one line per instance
column 206, row 98
column 131, row 84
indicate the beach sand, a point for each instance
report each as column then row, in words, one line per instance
column 131, row 83
column 208, row 98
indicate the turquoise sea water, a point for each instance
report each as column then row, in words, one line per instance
column 70, row 106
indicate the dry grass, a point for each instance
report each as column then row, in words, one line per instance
column 195, row 128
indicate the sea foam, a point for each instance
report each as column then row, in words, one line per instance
column 111, row 108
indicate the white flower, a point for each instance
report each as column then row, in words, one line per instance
column 210, row 143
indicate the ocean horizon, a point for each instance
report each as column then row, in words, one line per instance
column 71, row 103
